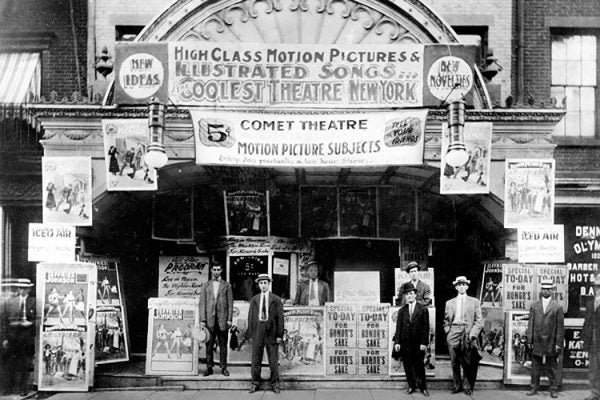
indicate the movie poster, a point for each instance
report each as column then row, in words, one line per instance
column 491, row 286
column 492, row 344
column 373, row 339
column 474, row 175
column 243, row 270
column 67, row 183
column 247, row 213
column 125, row 143
column 182, row 276
column 303, row 349
column 341, row 339
column 358, row 212
column 171, row 349
column 528, row 192
column 519, row 287
column 396, row 368
column 67, row 305
column 517, row 360
column 401, row 277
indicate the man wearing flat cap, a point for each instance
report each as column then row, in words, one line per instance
column 411, row 339
column 591, row 339
column 545, row 336
column 423, row 289
column 315, row 292
column 265, row 328
column 462, row 324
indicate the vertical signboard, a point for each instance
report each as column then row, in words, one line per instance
column 373, row 339
column 303, row 351
column 341, row 339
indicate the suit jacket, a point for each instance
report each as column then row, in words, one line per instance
column 545, row 330
column 423, row 293
column 472, row 314
column 222, row 306
column 591, row 324
column 275, row 320
column 302, row 294
column 412, row 333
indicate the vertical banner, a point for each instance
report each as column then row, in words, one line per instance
column 303, row 350
column 124, row 150
column 67, row 183
column 528, row 192
column 517, row 360
column 396, row 368
column 401, row 277
column 170, row 348
column 373, row 339
column 112, row 333
column 474, row 175
column 242, row 272
column 356, row 286
column 541, row 245
column 492, row 348
column 491, row 286
column 341, row 339
column 181, row 276
column 559, row 274
column 66, row 329
column 247, row 213
column 519, row 288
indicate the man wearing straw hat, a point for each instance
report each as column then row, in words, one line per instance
column 545, row 335
column 265, row 328
column 591, row 339
column 17, row 335
column 462, row 324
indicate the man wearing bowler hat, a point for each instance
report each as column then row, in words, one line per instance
column 591, row 339
column 462, row 324
column 423, row 289
column 545, row 335
column 315, row 292
column 411, row 339
column 265, row 328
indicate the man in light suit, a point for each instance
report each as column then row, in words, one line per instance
column 591, row 340
column 411, row 339
column 265, row 328
column 216, row 313
column 462, row 324
column 315, row 292
column 545, row 336
column 423, row 289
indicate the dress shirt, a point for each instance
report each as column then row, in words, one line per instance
column 545, row 302
column 460, row 308
column 215, row 285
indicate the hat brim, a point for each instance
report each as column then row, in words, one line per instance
column 468, row 282
column 409, row 267
column 263, row 279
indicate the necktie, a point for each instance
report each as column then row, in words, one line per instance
column 23, row 309
column 312, row 290
column 411, row 308
column 263, row 311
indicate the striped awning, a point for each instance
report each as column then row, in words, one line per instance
column 20, row 77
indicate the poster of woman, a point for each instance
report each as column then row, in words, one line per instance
column 67, row 184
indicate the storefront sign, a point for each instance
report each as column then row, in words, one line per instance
column 309, row 140
column 67, row 183
column 171, row 349
column 574, row 355
column 303, row 344
column 541, row 245
column 356, row 76
column 517, row 360
column 491, row 285
column 356, row 287
column 474, row 176
column 181, row 276
column 341, row 339
column 529, row 193
column 519, row 287
column 51, row 243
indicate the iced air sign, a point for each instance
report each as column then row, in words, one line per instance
column 293, row 76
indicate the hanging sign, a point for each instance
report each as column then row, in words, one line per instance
column 51, row 243
column 541, row 245
column 309, row 140
column 181, row 276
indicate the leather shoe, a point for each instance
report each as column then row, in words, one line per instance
column 425, row 392
column 553, row 394
column 208, row 372
column 532, row 392
column 276, row 390
column 225, row 372
column 456, row 390
column 253, row 389
column 468, row 392
column 410, row 390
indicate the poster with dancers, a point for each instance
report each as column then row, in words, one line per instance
column 67, row 325
column 67, row 190
column 303, row 349
column 125, row 143
column 474, row 175
column 170, row 348
column 528, row 192
column 247, row 213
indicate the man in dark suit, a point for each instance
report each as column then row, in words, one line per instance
column 315, row 292
column 545, row 335
column 411, row 339
column 423, row 289
column 265, row 328
column 462, row 324
column 591, row 340
column 216, row 313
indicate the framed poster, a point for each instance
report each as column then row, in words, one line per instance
column 396, row 368
column 171, row 349
column 304, row 346
column 492, row 345
column 67, row 304
column 491, row 286
column 242, row 271
column 358, row 212
column 182, row 276
column 517, row 360
column 67, row 183
column 341, row 340
column 247, row 213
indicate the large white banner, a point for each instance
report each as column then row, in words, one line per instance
column 541, row 245
column 309, row 140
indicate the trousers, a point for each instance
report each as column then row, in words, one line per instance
column 260, row 342
column 550, row 369
column 217, row 334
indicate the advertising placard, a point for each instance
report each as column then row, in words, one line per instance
column 574, row 356
column 519, row 287
column 341, row 339
column 356, row 286
column 247, row 212
column 401, row 277
column 170, row 348
column 309, row 140
column 125, row 143
column 474, row 175
column 517, row 360
column 492, row 345
column 51, row 243
column 181, row 276
column 528, row 192
column 541, row 245
column 491, row 286
column 67, row 183
column 373, row 339
column 303, row 350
